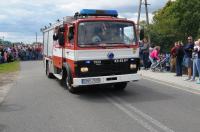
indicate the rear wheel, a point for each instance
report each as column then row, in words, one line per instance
column 120, row 86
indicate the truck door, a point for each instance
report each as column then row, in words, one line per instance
column 70, row 43
column 57, row 50
column 69, row 50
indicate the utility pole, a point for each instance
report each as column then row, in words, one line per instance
column 36, row 37
column 139, row 11
column 147, row 15
column 147, row 19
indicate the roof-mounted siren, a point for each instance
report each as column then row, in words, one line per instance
column 95, row 12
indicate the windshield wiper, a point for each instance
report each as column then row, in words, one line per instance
column 93, row 45
column 104, row 45
column 118, row 44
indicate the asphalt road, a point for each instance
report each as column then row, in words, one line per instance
column 38, row 104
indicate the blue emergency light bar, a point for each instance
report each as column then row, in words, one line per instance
column 94, row 12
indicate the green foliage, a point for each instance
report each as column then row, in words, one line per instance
column 5, row 42
column 176, row 21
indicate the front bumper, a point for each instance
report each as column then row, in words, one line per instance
column 105, row 79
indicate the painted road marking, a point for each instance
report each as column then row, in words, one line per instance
column 133, row 116
column 144, row 115
column 139, row 116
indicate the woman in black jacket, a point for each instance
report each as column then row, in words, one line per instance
column 179, row 59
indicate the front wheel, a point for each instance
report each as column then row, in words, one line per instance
column 69, row 85
column 120, row 86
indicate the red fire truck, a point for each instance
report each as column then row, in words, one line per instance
column 94, row 47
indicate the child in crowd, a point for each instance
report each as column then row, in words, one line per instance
column 154, row 55
column 5, row 56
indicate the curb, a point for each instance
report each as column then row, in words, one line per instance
column 172, row 84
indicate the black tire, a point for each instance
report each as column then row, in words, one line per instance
column 153, row 69
column 120, row 86
column 69, row 85
column 49, row 75
column 63, row 80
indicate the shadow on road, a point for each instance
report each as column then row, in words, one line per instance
column 134, row 93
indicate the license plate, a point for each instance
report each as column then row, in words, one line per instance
column 91, row 81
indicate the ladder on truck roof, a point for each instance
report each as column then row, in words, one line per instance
column 66, row 20
column 84, row 13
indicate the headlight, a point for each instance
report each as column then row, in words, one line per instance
column 84, row 69
column 133, row 66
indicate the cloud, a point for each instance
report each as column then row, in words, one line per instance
column 20, row 19
column 3, row 17
column 3, row 35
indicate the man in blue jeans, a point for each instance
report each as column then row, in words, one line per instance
column 188, row 56
column 145, row 53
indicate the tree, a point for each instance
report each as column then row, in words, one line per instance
column 177, row 20
column 8, row 43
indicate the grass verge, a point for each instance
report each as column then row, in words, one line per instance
column 9, row 67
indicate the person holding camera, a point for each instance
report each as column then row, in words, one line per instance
column 196, row 61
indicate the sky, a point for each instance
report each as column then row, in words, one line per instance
column 20, row 20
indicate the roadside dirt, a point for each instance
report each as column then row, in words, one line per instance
column 6, row 81
column 7, row 78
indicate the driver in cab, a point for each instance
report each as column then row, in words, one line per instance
column 100, row 34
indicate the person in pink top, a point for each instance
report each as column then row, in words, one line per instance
column 154, row 54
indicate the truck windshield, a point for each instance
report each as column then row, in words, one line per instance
column 106, row 33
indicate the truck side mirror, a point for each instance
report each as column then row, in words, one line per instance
column 57, row 31
column 55, row 37
column 141, row 34
column 61, row 39
column 71, row 33
column 71, row 36
column 61, row 29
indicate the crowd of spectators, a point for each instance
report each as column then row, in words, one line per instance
column 187, row 56
column 150, row 55
column 20, row 52
column 182, row 58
